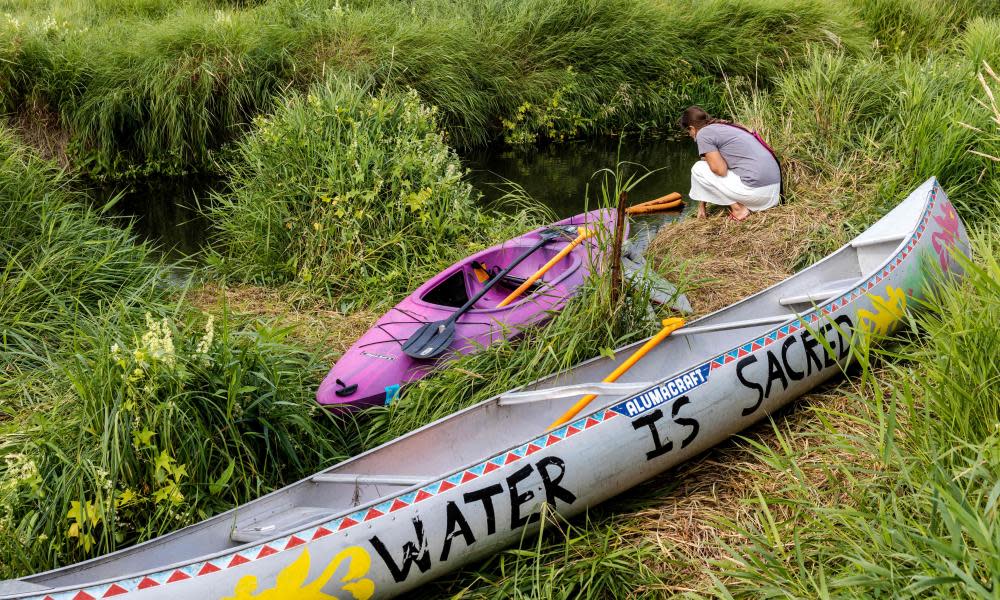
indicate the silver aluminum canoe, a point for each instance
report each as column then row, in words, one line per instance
column 467, row 485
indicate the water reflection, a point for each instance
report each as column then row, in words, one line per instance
column 558, row 175
column 165, row 210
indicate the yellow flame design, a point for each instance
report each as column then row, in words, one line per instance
column 290, row 584
column 888, row 310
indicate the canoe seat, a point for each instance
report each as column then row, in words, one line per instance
column 835, row 289
column 277, row 523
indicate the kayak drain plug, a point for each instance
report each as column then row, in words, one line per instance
column 345, row 390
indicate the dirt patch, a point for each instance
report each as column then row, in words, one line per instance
column 315, row 324
column 40, row 127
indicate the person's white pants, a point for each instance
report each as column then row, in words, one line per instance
column 706, row 186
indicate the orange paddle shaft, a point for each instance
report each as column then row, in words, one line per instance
column 584, row 234
column 669, row 325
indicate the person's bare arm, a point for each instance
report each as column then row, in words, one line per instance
column 716, row 163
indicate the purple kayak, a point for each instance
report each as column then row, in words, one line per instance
column 371, row 370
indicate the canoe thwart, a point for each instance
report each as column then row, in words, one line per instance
column 875, row 241
column 835, row 288
column 354, row 479
column 287, row 520
column 736, row 324
column 577, row 389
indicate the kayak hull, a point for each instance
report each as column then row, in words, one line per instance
column 368, row 371
column 461, row 488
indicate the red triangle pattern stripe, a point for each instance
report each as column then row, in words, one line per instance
column 532, row 448
column 590, row 423
column 148, row 583
column 116, row 590
column 347, row 522
column 321, row 532
column 82, row 595
column 293, row 542
column 397, row 504
column 511, row 457
column 551, row 440
column 178, row 575
column 238, row 560
column 490, row 467
column 373, row 513
column 208, row 568
column 571, row 431
column 445, row 486
column 266, row 551
column 421, row 495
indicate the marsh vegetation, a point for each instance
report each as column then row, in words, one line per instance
column 134, row 400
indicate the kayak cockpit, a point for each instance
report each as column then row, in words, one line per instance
column 470, row 276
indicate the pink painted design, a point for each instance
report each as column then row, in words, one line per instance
column 945, row 239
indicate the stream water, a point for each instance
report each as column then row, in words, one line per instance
column 166, row 210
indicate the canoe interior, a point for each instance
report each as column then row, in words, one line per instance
column 443, row 447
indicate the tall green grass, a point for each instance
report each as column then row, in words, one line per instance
column 352, row 193
column 123, row 412
column 152, row 87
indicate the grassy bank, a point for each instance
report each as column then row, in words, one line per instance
column 124, row 413
column 124, row 88
column 117, row 426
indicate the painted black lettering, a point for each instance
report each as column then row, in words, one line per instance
column 519, row 498
column 844, row 325
column 413, row 553
column 742, row 364
column 774, row 373
column 810, row 344
column 485, row 496
column 684, row 421
column 456, row 525
column 649, row 420
column 792, row 373
column 551, row 484
column 830, row 353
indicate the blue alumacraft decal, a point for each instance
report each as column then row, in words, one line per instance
column 666, row 391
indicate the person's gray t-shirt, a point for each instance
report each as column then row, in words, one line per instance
column 746, row 156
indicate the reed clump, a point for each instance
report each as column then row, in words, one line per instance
column 160, row 87
column 352, row 193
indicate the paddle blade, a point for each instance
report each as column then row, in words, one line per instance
column 430, row 340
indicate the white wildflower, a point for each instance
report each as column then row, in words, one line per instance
column 205, row 344
column 158, row 341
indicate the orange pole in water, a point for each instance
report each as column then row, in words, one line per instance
column 584, row 234
column 669, row 326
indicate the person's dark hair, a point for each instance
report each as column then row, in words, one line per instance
column 695, row 116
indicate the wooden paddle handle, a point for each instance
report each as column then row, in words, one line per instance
column 669, row 326
column 584, row 234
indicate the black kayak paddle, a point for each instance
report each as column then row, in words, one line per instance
column 434, row 338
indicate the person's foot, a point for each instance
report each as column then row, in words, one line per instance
column 701, row 211
column 738, row 212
